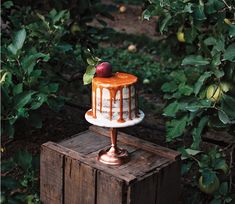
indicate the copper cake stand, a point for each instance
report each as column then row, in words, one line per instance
column 113, row 155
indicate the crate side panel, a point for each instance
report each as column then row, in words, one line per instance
column 168, row 188
column 110, row 190
column 80, row 182
column 51, row 176
column 143, row 191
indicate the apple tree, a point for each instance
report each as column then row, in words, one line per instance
column 198, row 53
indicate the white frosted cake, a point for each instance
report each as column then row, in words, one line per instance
column 115, row 98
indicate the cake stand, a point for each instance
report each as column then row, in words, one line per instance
column 113, row 155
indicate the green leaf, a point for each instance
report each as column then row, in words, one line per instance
column 169, row 87
column 88, row 76
column 186, row 167
column 188, row 8
column 201, row 81
column 20, row 100
column 220, row 44
column 228, row 106
column 210, row 41
column 146, row 14
column 7, row 165
column 223, row 117
column 29, row 61
column 8, row 4
column 231, row 31
column 195, row 106
column 58, row 16
column 196, row 60
column 171, row 109
column 38, row 100
column 90, row 61
column 219, row 73
column 216, row 61
column 185, row 89
column 17, row 89
column 221, row 164
column 178, row 76
column 192, row 152
column 187, row 152
column 208, row 177
column 4, row 77
column 199, row 12
column 213, row 6
column 176, row 128
column 164, row 22
column 18, row 41
column 53, row 87
column 190, row 34
column 12, row 49
column 197, row 131
column 223, row 188
column 36, row 73
column 24, row 159
column 229, row 53
column 22, row 112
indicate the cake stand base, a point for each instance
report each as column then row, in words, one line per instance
column 113, row 156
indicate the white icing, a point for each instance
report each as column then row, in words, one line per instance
column 105, row 114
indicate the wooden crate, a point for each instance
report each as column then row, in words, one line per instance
column 71, row 174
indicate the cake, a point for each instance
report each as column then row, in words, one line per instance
column 115, row 98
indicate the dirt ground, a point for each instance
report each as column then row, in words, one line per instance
column 130, row 21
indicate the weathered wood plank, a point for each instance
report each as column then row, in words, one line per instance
column 66, row 141
column 110, row 190
column 86, row 143
column 51, row 176
column 148, row 146
column 79, row 182
column 142, row 162
column 144, row 191
column 169, row 184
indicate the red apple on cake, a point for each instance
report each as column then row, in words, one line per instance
column 104, row 69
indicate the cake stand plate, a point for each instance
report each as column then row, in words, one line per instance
column 114, row 124
column 113, row 155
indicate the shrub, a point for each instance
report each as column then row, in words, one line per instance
column 199, row 52
column 43, row 47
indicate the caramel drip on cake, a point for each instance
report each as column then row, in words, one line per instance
column 90, row 113
column 129, row 102
column 111, row 107
column 136, row 103
column 93, row 101
column 113, row 93
column 121, row 120
column 101, row 99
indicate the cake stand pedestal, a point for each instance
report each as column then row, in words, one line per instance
column 113, row 155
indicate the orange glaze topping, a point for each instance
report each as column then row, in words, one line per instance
column 114, row 84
